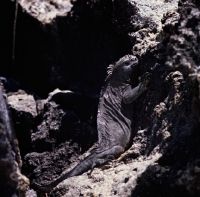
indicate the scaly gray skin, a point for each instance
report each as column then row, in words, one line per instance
column 114, row 120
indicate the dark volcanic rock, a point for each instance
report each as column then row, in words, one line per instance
column 65, row 117
column 23, row 108
column 11, row 179
column 64, row 134
column 74, row 51
column 164, row 158
column 46, row 166
column 172, row 134
column 83, row 105
column 183, row 49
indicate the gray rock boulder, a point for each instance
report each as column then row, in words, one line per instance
column 24, row 112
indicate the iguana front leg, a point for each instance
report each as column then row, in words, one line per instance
column 130, row 94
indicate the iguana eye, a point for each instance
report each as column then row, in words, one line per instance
column 127, row 63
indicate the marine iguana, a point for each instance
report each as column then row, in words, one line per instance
column 114, row 118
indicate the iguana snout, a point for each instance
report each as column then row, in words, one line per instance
column 134, row 61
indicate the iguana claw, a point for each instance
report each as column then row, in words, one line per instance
column 145, row 79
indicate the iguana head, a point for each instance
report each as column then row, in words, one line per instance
column 123, row 68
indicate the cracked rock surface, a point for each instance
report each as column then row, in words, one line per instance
column 76, row 42
column 62, row 135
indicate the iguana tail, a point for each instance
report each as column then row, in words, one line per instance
column 84, row 166
column 96, row 158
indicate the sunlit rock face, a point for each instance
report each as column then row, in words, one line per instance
column 46, row 11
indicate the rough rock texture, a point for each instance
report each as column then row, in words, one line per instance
column 46, row 11
column 64, row 113
column 118, row 179
column 23, row 108
column 74, row 51
column 164, row 157
column 147, row 32
column 62, row 135
column 12, row 182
